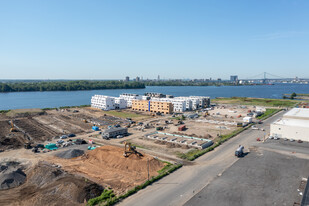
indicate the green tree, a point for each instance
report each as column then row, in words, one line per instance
column 293, row 95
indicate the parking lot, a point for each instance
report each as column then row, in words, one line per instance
column 261, row 178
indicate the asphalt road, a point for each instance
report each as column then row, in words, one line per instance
column 180, row 186
column 261, row 178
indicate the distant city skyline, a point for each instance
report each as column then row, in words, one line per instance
column 153, row 39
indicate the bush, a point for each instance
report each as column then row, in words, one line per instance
column 106, row 196
column 268, row 113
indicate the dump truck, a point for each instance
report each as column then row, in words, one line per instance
column 240, row 151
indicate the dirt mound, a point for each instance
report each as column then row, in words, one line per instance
column 11, row 141
column 50, row 185
column 69, row 154
column 113, row 157
column 11, row 175
column 109, row 167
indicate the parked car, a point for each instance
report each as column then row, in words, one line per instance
column 60, row 141
column 300, row 141
column 63, row 137
column 292, row 140
column 119, row 136
column 71, row 135
column 254, row 127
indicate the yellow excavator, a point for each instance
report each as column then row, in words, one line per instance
column 129, row 149
column 13, row 129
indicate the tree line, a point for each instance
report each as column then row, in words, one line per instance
column 186, row 83
column 68, row 85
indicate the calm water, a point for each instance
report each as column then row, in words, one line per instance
column 20, row 100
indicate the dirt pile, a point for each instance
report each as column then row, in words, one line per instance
column 9, row 140
column 11, row 175
column 50, row 185
column 109, row 167
column 69, row 154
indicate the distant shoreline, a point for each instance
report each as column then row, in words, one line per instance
column 68, row 86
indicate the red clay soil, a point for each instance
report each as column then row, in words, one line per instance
column 107, row 166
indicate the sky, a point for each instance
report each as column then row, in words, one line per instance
column 100, row 39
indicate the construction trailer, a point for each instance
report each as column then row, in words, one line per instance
column 114, row 132
column 247, row 120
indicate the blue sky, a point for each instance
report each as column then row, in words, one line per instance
column 174, row 39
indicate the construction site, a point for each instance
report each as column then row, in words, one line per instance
column 63, row 150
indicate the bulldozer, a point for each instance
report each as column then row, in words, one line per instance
column 129, row 149
column 13, row 129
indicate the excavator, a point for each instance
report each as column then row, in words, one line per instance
column 13, row 129
column 129, row 149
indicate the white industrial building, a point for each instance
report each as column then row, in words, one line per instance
column 204, row 101
column 195, row 102
column 179, row 105
column 103, row 102
column 188, row 102
column 129, row 98
column 120, row 103
column 293, row 125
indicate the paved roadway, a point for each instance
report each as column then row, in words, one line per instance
column 180, row 186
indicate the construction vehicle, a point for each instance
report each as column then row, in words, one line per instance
column 129, row 149
column 27, row 145
column 240, row 151
column 13, row 129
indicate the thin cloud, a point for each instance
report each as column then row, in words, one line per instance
column 280, row 35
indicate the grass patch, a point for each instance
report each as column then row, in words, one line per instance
column 268, row 113
column 4, row 111
column 165, row 168
column 24, row 112
column 107, row 198
column 257, row 101
column 193, row 154
column 138, row 146
column 65, row 107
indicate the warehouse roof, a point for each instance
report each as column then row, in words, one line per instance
column 293, row 122
column 297, row 113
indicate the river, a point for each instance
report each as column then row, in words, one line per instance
column 19, row 100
